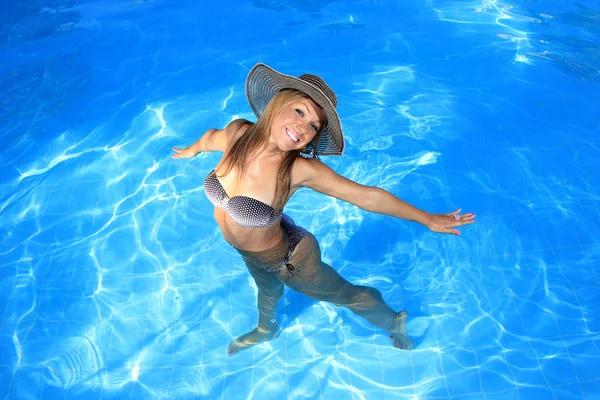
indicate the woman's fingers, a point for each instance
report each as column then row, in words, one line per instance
column 466, row 219
column 181, row 153
column 462, row 218
column 453, row 213
column 447, row 223
column 450, row 230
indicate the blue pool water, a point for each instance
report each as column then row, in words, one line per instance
column 115, row 282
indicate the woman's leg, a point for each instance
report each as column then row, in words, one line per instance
column 270, row 291
column 319, row 281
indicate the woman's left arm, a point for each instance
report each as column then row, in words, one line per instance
column 316, row 175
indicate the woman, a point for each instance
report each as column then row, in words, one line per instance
column 262, row 167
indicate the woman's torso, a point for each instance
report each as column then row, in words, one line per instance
column 244, row 208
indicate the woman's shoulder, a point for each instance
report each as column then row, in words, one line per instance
column 304, row 162
column 235, row 129
column 238, row 126
column 303, row 168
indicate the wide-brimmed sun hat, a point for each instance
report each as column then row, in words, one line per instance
column 263, row 83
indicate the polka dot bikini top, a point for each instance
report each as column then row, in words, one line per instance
column 245, row 211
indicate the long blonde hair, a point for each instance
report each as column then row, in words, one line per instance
column 257, row 135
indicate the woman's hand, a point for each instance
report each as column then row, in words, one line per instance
column 183, row 153
column 446, row 223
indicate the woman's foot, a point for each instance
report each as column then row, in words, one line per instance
column 257, row 336
column 399, row 335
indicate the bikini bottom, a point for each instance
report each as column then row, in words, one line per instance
column 294, row 235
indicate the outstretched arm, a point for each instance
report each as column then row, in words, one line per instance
column 212, row 140
column 318, row 176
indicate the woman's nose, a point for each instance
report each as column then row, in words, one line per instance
column 301, row 126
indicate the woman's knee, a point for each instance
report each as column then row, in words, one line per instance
column 272, row 291
column 356, row 296
column 363, row 297
column 369, row 292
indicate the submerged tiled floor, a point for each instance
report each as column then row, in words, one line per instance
column 114, row 279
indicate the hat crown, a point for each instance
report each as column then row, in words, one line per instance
column 321, row 85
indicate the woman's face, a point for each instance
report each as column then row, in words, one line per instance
column 297, row 124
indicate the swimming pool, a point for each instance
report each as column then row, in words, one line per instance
column 114, row 279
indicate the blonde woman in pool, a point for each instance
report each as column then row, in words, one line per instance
column 262, row 166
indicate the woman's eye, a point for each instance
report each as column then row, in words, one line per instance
column 299, row 111
column 315, row 128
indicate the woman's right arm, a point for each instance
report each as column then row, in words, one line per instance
column 212, row 140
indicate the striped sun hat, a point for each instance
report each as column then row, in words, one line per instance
column 263, row 83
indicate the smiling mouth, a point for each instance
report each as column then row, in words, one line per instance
column 291, row 135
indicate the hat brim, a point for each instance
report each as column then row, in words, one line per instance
column 263, row 83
